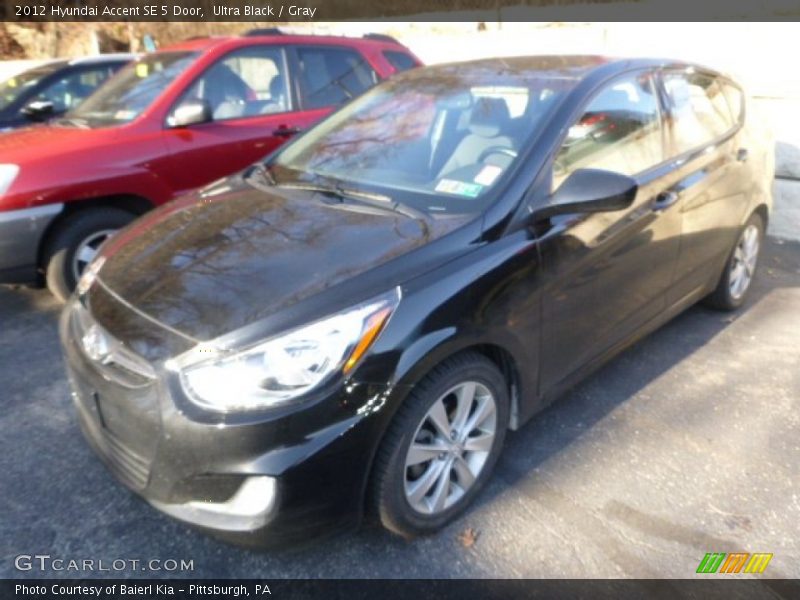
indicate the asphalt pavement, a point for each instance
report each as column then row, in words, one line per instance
column 687, row 443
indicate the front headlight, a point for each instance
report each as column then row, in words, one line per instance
column 285, row 367
column 8, row 173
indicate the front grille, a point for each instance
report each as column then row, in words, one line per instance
column 117, row 394
column 110, row 357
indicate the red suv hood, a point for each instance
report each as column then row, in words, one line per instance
column 34, row 143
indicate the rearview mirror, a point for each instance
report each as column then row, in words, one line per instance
column 191, row 112
column 590, row 191
column 38, row 110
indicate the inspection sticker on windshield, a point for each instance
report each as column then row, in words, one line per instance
column 488, row 174
column 459, row 188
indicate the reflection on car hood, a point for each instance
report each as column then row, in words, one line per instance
column 205, row 266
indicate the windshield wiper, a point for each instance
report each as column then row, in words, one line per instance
column 339, row 191
column 369, row 198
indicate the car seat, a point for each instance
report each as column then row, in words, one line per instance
column 488, row 124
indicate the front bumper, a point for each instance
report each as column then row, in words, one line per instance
column 21, row 233
column 267, row 480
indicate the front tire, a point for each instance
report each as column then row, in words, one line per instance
column 442, row 446
column 740, row 268
column 75, row 242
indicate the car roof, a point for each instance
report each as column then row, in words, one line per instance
column 200, row 44
column 566, row 65
column 102, row 58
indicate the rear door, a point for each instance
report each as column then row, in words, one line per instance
column 711, row 168
column 254, row 111
column 606, row 274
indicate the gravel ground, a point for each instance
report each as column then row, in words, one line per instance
column 687, row 443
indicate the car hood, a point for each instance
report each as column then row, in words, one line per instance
column 38, row 142
column 206, row 265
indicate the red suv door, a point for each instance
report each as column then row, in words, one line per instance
column 253, row 111
column 259, row 97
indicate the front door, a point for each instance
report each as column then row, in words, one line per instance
column 253, row 112
column 606, row 274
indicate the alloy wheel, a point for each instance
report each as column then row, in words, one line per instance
column 743, row 265
column 450, row 448
column 87, row 250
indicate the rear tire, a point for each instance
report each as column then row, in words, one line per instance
column 740, row 268
column 418, row 491
column 74, row 242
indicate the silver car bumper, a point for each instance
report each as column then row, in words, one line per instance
column 20, row 234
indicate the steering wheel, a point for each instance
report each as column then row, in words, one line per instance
column 497, row 150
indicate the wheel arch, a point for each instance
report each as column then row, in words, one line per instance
column 132, row 203
column 762, row 210
column 501, row 357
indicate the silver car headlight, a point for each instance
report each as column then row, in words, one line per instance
column 8, row 173
column 284, row 368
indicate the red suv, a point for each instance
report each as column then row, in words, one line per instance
column 172, row 121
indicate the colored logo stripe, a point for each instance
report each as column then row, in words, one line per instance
column 758, row 562
column 734, row 562
column 713, row 562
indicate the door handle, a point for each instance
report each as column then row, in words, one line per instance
column 742, row 155
column 286, row 131
column 664, row 200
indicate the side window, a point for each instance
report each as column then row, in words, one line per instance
column 332, row 76
column 244, row 83
column 620, row 131
column 700, row 109
column 72, row 89
column 399, row 60
column 735, row 100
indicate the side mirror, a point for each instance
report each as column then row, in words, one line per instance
column 191, row 112
column 590, row 191
column 38, row 110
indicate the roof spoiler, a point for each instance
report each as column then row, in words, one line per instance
column 381, row 37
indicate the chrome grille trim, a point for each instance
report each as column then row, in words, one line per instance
column 109, row 356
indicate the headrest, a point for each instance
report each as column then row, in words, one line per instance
column 489, row 117
column 276, row 86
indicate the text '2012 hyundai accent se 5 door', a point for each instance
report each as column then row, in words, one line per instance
column 353, row 325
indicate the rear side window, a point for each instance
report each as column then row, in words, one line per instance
column 620, row 131
column 332, row 76
column 699, row 107
column 399, row 60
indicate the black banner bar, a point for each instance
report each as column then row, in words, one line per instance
column 729, row 588
column 280, row 11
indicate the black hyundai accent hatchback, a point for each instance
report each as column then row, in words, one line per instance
column 353, row 325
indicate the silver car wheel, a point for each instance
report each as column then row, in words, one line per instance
column 743, row 265
column 450, row 447
column 87, row 250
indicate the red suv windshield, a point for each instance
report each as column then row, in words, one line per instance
column 132, row 90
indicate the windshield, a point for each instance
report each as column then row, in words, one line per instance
column 17, row 86
column 439, row 141
column 132, row 90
